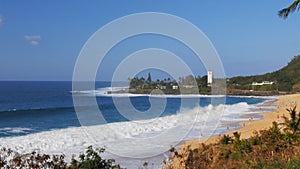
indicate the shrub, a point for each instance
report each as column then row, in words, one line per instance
column 226, row 139
column 10, row 159
column 91, row 159
column 292, row 124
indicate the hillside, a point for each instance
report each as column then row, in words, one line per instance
column 286, row 79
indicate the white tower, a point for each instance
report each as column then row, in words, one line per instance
column 209, row 78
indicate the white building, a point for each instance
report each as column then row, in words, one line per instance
column 209, row 78
column 174, row 87
column 262, row 83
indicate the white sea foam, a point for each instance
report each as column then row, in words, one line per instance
column 15, row 130
column 108, row 91
column 134, row 138
column 102, row 91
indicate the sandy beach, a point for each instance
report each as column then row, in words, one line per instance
column 249, row 127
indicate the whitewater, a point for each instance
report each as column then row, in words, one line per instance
column 39, row 117
column 125, row 141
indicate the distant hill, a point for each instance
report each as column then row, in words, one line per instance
column 286, row 79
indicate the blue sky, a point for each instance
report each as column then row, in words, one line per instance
column 40, row 40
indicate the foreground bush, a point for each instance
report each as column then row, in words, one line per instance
column 277, row 147
column 91, row 159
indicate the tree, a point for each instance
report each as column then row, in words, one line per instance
column 284, row 13
column 149, row 80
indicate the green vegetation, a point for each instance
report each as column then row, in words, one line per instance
column 286, row 79
column 185, row 85
column 91, row 159
column 142, row 86
column 277, row 147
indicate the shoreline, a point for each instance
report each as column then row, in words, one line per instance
column 72, row 146
column 248, row 128
column 180, row 95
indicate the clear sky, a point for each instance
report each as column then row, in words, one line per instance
column 40, row 40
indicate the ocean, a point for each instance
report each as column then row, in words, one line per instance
column 40, row 116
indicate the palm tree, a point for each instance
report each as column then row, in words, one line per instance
column 284, row 13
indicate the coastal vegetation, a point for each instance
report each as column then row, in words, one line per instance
column 286, row 79
column 185, row 85
column 276, row 147
column 91, row 159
